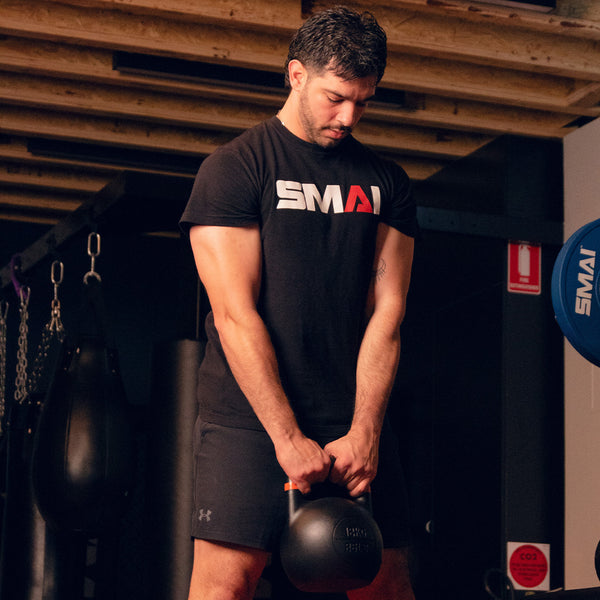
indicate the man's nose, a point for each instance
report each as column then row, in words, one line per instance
column 349, row 114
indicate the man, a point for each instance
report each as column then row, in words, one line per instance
column 303, row 239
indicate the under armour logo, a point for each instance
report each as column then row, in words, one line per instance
column 204, row 515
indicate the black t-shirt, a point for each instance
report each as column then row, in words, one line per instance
column 318, row 211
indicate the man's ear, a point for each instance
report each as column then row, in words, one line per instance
column 298, row 75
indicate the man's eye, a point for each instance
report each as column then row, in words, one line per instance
column 335, row 100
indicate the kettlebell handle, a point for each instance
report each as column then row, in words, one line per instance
column 295, row 499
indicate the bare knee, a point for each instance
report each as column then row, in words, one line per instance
column 225, row 571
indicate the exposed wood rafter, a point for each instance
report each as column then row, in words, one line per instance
column 468, row 72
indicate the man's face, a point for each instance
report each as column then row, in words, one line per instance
column 329, row 106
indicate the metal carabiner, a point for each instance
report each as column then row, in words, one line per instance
column 57, row 271
column 93, row 250
column 57, row 277
column 93, row 239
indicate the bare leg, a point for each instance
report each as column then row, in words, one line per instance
column 392, row 581
column 225, row 571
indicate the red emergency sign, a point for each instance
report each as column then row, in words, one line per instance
column 524, row 268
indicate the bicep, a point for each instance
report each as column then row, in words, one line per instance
column 228, row 260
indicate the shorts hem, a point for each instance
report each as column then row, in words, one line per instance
column 226, row 538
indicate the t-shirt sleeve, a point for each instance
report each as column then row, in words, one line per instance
column 224, row 193
column 402, row 210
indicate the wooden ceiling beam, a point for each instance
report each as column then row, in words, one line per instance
column 162, row 135
column 53, row 58
column 408, row 139
column 118, row 101
column 257, row 14
column 19, row 216
column 488, row 44
column 447, row 113
column 230, row 42
column 431, row 150
column 15, row 151
column 484, row 83
column 263, row 13
column 553, row 23
column 110, row 132
column 226, row 115
column 29, row 201
column 95, row 65
column 586, row 96
column 123, row 31
column 469, row 72
column 408, row 72
column 50, row 178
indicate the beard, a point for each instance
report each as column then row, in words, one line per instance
column 315, row 133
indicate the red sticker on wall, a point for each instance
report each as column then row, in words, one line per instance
column 528, row 566
column 524, row 268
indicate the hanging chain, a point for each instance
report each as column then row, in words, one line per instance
column 55, row 325
column 54, row 328
column 93, row 250
column 3, row 328
column 21, row 380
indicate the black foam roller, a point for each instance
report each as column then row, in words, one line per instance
column 170, row 467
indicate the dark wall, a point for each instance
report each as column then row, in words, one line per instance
column 149, row 287
column 479, row 399
column 478, row 406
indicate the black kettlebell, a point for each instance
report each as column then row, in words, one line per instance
column 331, row 544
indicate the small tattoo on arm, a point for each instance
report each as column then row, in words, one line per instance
column 380, row 270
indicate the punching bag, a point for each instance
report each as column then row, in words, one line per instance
column 35, row 562
column 23, row 529
column 84, row 456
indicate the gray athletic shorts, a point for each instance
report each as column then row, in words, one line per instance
column 239, row 494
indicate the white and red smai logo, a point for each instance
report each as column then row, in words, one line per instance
column 306, row 196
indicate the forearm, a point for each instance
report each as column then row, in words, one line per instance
column 252, row 360
column 376, row 369
column 357, row 453
column 251, row 357
column 380, row 349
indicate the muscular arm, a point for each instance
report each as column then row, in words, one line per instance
column 229, row 261
column 357, row 453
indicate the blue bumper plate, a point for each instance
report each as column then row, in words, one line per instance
column 576, row 291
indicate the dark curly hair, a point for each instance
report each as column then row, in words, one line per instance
column 352, row 44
